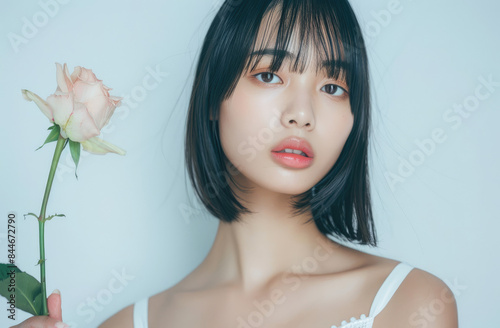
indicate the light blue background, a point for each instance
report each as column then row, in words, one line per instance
column 136, row 216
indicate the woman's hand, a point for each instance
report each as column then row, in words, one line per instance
column 53, row 320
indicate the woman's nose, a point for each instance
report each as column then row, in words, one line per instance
column 298, row 110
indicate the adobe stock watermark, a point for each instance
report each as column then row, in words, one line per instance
column 454, row 117
column 150, row 81
column 427, row 314
column 32, row 25
column 267, row 307
column 97, row 303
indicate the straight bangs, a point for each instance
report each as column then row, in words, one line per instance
column 305, row 32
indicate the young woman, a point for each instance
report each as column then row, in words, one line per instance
column 276, row 148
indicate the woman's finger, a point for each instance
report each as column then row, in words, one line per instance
column 53, row 320
column 41, row 322
column 54, row 305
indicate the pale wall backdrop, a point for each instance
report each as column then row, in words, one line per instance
column 133, row 226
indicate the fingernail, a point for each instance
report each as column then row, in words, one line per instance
column 56, row 291
column 61, row 324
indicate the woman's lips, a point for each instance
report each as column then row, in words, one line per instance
column 292, row 160
column 295, row 143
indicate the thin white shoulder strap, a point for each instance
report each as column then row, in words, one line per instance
column 389, row 287
column 141, row 313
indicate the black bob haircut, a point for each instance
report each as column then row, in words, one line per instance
column 341, row 204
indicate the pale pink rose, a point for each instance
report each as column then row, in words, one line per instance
column 81, row 106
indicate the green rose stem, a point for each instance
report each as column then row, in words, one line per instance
column 41, row 219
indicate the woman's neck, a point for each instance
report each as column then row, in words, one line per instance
column 251, row 254
column 267, row 244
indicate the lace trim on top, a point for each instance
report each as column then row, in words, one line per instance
column 355, row 323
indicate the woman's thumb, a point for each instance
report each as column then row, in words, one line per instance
column 54, row 305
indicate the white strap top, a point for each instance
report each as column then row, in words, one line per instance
column 384, row 294
column 141, row 313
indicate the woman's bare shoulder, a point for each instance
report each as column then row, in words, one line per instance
column 124, row 318
column 422, row 300
column 121, row 319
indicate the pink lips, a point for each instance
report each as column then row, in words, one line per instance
column 295, row 143
column 291, row 159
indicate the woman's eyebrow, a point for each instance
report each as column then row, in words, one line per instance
column 290, row 56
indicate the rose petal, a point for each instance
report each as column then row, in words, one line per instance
column 67, row 77
column 44, row 107
column 63, row 134
column 116, row 100
column 97, row 103
column 98, row 146
column 81, row 125
column 86, row 75
column 100, row 114
column 84, row 91
column 62, row 107
column 113, row 103
column 75, row 74
column 63, row 79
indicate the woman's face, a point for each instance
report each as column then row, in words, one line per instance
column 266, row 108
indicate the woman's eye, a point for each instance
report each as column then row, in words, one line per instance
column 267, row 77
column 334, row 90
column 271, row 78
